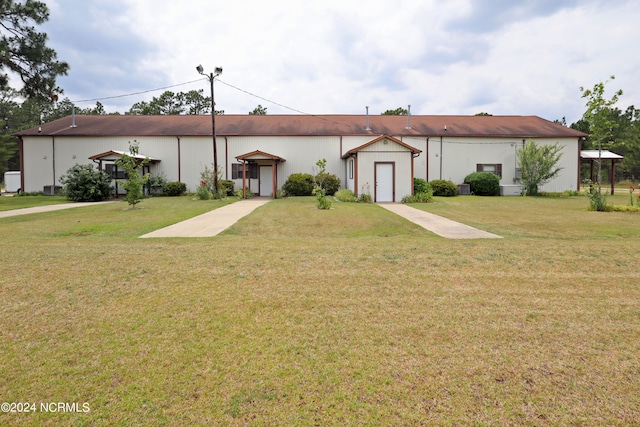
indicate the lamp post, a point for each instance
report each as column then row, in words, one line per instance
column 211, row 77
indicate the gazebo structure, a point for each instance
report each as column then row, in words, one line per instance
column 593, row 156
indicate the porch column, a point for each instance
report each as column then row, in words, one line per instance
column 274, row 179
column 244, row 179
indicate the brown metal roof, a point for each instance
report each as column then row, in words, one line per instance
column 259, row 155
column 373, row 141
column 307, row 125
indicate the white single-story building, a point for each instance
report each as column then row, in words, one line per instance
column 376, row 154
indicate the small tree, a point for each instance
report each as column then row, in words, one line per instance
column 319, row 191
column 601, row 127
column 538, row 165
column 208, row 178
column 135, row 181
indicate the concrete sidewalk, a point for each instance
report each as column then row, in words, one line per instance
column 436, row 224
column 211, row 223
column 47, row 208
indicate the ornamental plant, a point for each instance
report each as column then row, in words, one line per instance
column 135, row 182
column 203, row 191
column 483, row 183
column 319, row 191
column 83, row 183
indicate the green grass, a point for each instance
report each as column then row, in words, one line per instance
column 351, row 316
column 19, row 202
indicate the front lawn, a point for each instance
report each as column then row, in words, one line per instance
column 296, row 316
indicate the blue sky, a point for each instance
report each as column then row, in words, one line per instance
column 336, row 57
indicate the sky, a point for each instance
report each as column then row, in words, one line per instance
column 459, row 57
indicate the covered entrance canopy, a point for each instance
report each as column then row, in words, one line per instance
column 107, row 162
column 262, row 159
column 592, row 156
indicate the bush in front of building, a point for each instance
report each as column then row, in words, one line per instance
column 299, row 184
column 174, row 188
column 83, row 183
column 419, row 198
column 227, row 187
column 345, row 195
column 420, row 186
column 483, row 183
column 443, row 188
column 329, row 182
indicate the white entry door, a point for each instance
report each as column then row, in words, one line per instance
column 384, row 182
column 266, row 185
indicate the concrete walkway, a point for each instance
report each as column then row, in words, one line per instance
column 47, row 208
column 211, row 223
column 437, row 224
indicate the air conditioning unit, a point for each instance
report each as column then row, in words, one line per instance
column 464, row 189
column 51, row 190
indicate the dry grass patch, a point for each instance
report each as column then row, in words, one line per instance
column 300, row 317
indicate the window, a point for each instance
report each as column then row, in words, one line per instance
column 350, row 168
column 252, row 170
column 490, row 167
column 112, row 170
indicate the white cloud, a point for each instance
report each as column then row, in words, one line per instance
column 335, row 57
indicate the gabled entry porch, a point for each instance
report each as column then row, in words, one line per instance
column 381, row 168
column 107, row 162
column 267, row 172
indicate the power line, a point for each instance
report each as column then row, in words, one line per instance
column 136, row 93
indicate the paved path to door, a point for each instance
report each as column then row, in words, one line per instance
column 211, row 223
column 436, row 224
column 47, row 208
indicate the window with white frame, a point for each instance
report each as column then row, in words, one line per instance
column 495, row 168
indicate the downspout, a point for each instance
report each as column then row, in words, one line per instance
column 21, row 161
column 179, row 160
column 440, row 156
column 427, row 160
column 579, row 161
column 53, row 160
column 355, row 178
column 413, row 173
column 226, row 158
column 346, row 169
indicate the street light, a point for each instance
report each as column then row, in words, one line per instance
column 211, row 77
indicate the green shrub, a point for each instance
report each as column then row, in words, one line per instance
column 83, row 183
column 30, row 193
column 155, row 184
column 419, row 197
column 443, row 188
column 203, row 192
column 329, row 182
column 483, row 183
column 228, row 187
column 345, row 195
column 174, row 188
column 365, row 198
column 299, row 184
column 420, row 186
column 248, row 192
